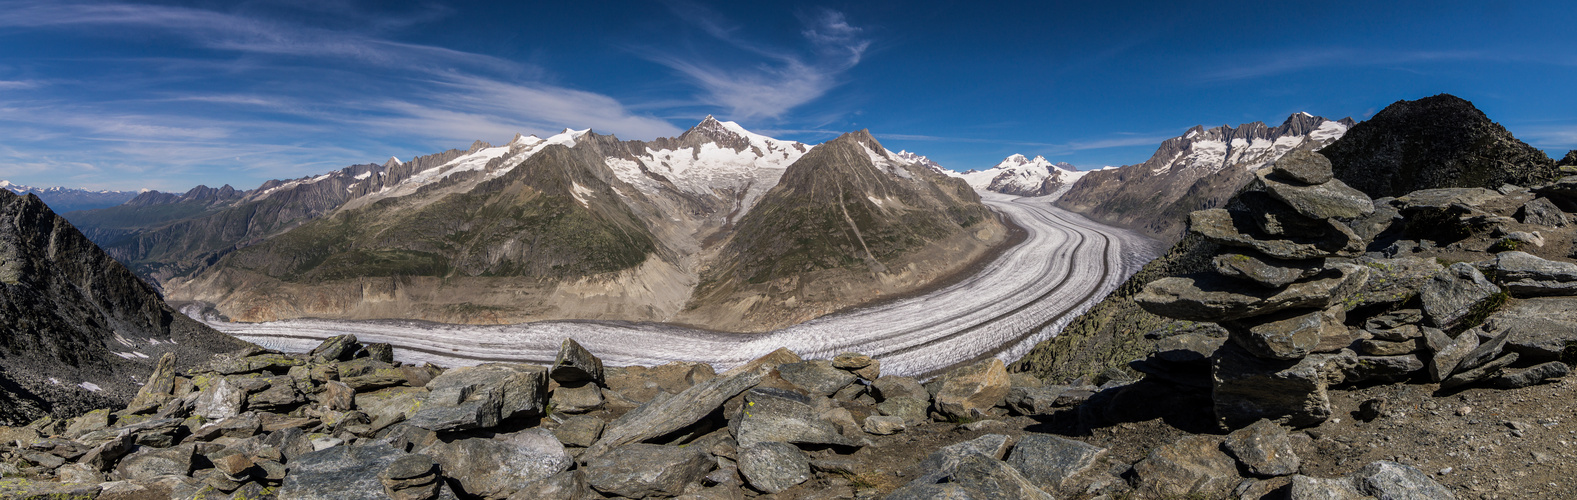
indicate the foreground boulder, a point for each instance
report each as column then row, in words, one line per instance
column 642, row 470
column 970, row 391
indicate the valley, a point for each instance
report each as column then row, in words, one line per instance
column 1065, row 264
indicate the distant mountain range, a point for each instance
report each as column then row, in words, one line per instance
column 1197, row 170
column 578, row 225
column 64, row 199
column 1023, row 176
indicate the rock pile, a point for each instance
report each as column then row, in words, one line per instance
column 346, row 421
column 1304, row 307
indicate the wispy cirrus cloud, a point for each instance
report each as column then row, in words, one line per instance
column 267, row 95
column 780, row 79
column 1119, row 141
column 1277, row 63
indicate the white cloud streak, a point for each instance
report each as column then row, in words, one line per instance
column 407, row 94
column 784, row 79
column 1272, row 64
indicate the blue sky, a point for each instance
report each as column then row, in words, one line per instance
column 169, row 95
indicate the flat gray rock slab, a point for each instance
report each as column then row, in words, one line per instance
column 339, row 473
column 497, row 467
column 773, row 467
column 1540, row 327
column 660, row 417
column 784, row 416
column 1049, row 461
column 1527, row 275
column 818, row 377
column 643, row 470
column 1454, row 293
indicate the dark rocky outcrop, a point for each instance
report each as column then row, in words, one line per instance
column 1434, row 142
column 80, row 328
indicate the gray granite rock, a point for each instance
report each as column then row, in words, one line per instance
column 1228, row 229
column 658, row 418
column 1286, row 335
column 580, row 430
column 911, row 410
column 1315, row 201
column 1266, row 271
column 1488, row 371
column 1264, row 449
column 1051, row 461
column 340, row 472
column 1384, row 368
column 892, row 386
column 969, row 392
column 1527, row 275
column 1248, row 388
column 1447, row 352
column 1533, row 375
column 642, row 470
column 1209, row 297
column 1191, row 466
column 1454, row 293
column 1391, row 480
column 1543, row 212
column 499, row 466
column 772, row 466
column 575, row 364
column 817, row 377
column 781, row 415
column 1302, row 166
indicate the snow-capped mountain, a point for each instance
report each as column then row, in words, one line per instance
column 1022, row 176
column 717, row 160
column 1197, row 170
column 63, row 199
column 908, row 157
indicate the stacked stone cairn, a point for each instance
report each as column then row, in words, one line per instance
column 1290, row 267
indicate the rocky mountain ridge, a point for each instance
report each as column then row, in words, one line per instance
column 81, row 330
column 438, row 237
column 1199, row 169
